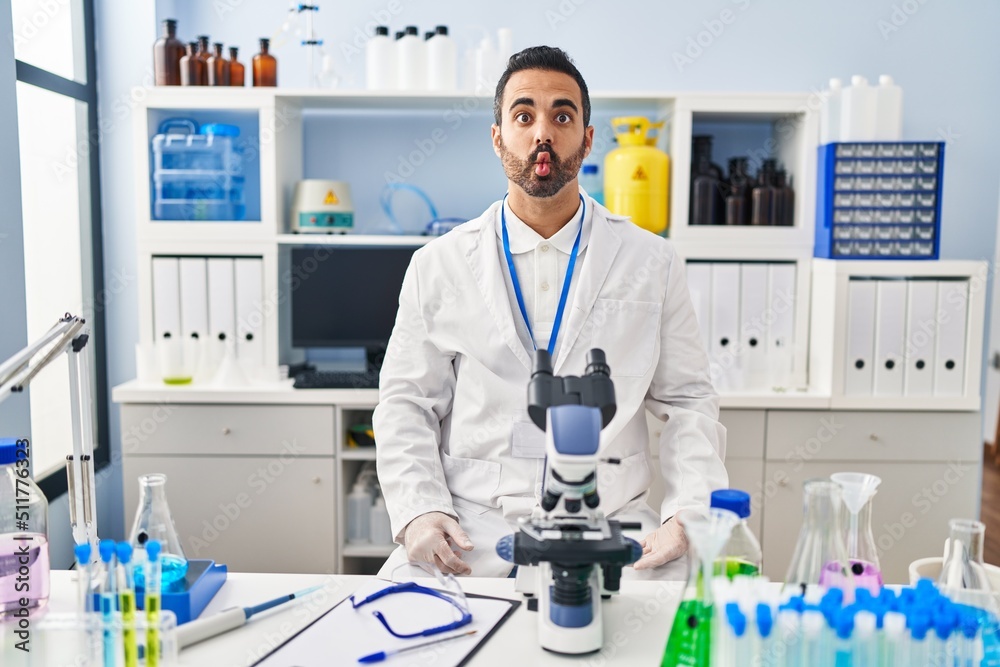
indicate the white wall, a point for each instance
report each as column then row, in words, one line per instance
column 943, row 54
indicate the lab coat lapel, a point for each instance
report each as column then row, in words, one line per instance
column 484, row 262
column 601, row 251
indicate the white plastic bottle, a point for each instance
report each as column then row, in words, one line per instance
column 505, row 48
column 889, row 105
column 829, row 116
column 442, row 61
column 381, row 532
column 858, row 111
column 359, row 514
column 486, row 68
column 411, row 61
column 380, row 61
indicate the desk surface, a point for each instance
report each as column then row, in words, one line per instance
column 636, row 623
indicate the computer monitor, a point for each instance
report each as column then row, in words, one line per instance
column 346, row 296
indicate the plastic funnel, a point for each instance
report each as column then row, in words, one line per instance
column 708, row 533
column 857, row 488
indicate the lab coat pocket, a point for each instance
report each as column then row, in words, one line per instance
column 618, row 484
column 472, row 482
column 626, row 331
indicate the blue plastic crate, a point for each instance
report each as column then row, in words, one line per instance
column 879, row 200
column 197, row 172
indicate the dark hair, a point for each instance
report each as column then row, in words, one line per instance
column 549, row 58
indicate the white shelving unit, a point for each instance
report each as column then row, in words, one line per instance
column 275, row 116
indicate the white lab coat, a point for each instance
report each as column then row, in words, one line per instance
column 455, row 380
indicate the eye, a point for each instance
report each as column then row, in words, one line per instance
column 522, row 117
column 563, row 118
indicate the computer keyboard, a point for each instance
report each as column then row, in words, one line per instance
column 313, row 379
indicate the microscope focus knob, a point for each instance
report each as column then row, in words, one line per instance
column 505, row 548
column 549, row 501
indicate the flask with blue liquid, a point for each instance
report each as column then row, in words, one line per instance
column 153, row 521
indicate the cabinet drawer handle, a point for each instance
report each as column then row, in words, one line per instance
column 226, row 430
column 873, row 437
column 783, row 482
column 317, row 480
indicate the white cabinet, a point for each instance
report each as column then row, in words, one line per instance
column 930, row 465
column 253, row 513
column 253, row 487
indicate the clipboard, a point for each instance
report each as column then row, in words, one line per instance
column 355, row 633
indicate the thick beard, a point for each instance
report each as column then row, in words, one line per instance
column 561, row 171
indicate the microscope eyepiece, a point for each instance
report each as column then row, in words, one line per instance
column 597, row 362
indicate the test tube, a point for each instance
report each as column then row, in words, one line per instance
column 894, row 630
column 108, row 601
column 789, row 651
column 812, row 637
column 765, row 623
column 153, row 569
column 126, row 601
column 83, row 577
column 864, row 648
column 738, row 635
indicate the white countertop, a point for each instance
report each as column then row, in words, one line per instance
column 636, row 623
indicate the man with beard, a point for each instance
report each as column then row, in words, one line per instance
column 545, row 268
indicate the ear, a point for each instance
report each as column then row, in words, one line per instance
column 588, row 140
column 495, row 135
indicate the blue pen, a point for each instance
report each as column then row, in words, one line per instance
column 382, row 655
column 108, row 602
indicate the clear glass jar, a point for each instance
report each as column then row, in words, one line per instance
column 24, row 543
column 742, row 553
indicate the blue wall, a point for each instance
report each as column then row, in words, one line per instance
column 945, row 56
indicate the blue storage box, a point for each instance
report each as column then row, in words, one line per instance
column 197, row 172
column 879, row 200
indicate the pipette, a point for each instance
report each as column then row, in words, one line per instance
column 230, row 619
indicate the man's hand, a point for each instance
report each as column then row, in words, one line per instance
column 426, row 539
column 666, row 543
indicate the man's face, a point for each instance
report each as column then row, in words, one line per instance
column 542, row 140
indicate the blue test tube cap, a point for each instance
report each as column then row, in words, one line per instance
column 765, row 619
column 920, row 625
column 107, row 550
column 124, row 552
column 796, row 603
column 737, row 621
column 833, row 597
column 926, row 586
column 845, row 623
column 970, row 624
column 82, row 552
column 864, row 597
column 153, row 549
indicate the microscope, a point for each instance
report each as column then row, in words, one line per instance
column 567, row 552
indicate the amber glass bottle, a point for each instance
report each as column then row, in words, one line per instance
column 167, row 54
column 237, row 73
column 204, row 51
column 192, row 66
column 218, row 68
column 265, row 67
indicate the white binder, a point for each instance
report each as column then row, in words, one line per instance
column 725, row 325
column 754, row 317
column 194, row 297
column 890, row 332
column 860, row 348
column 699, row 280
column 250, row 311
column 921, row 333
column 781, row 331
column 221, row 299
column 949, row 359
column 166, row 298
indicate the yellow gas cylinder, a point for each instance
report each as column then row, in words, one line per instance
column 637, row 174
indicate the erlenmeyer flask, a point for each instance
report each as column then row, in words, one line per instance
column 858, row 489
column 963, row 558
column 154, row 522
column 820, row 556
column 690, row 637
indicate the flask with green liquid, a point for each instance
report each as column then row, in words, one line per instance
column 690, row 641
column 742, row 554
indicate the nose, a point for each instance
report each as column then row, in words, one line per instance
column 543, row 131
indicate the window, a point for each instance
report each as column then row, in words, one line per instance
column 57, row 130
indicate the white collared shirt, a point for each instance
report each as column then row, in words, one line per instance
column 541, row 268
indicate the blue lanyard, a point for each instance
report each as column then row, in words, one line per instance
column 566, row 280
